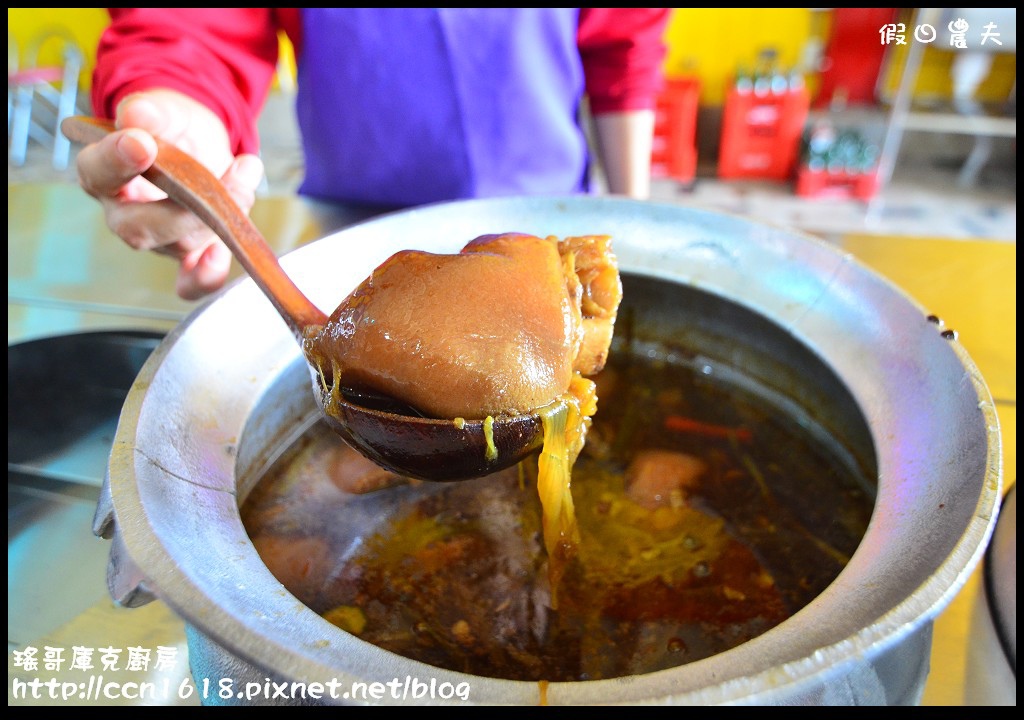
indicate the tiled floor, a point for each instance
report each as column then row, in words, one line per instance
column 922, row 199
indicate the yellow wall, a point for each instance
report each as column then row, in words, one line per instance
column 84, row 25
column 713, row 42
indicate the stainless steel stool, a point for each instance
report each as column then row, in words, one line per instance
column 40, row 97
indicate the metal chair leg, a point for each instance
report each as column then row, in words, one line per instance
column 65, row 108
column 20, row 125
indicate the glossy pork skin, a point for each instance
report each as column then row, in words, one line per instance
column 497, row 328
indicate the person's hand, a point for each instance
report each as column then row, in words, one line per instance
column 140, row 213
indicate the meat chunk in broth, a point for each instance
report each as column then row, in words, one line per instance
column 663, row 478
column 501, row 327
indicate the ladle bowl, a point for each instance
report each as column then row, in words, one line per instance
column 423, row 448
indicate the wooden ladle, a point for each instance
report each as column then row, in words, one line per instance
column 417, row 447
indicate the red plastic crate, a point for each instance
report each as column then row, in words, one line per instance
column 761, row 134
column 674, row 146
column 836, row 185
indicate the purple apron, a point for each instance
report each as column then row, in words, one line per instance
column 404, row 106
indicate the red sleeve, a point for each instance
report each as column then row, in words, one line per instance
column 223, row 57
column 623, row 51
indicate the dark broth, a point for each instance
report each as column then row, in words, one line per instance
column 744, row 511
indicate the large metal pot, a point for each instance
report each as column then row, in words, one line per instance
column 228, row 391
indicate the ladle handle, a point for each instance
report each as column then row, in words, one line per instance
column 189, row 183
